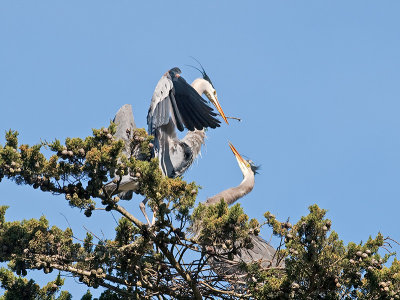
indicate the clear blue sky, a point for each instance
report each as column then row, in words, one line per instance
column 316, row 84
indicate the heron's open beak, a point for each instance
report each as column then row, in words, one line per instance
column 239, row 158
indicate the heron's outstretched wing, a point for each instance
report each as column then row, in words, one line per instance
column 174, row 97
column 194, row 110
column 125, row 123
column 163, row 105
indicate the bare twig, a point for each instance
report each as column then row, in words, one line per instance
column 234, row 118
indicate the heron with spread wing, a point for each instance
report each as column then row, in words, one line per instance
column 177, row 105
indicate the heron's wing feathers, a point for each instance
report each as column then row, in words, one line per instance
column 125, row 122
column 160, row 106
column 193, row 109
column 177, row 99
column 176, row 113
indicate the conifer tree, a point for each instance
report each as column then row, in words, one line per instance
column 166, row 261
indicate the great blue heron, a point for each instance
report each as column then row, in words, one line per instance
column 175, row 104
column 262, row 252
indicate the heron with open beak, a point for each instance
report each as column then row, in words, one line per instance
column 246, row 186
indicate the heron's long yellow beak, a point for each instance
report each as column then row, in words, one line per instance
column 237, row 155
column 221, row 112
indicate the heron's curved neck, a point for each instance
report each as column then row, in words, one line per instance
column 200, row 85
column 233, row 194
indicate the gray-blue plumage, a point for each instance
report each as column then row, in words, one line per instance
column 177, row 105
column 174, row 98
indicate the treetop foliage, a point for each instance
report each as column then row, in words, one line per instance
column 176, row 258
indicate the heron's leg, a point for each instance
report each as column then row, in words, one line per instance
column 142, row 206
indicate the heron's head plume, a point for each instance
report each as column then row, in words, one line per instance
column 202, row 71
column 254, row 167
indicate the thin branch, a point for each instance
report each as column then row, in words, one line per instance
column 388, row 238
column 92, row 233
column 234, row 118
column 128, row 215
column 231, row 293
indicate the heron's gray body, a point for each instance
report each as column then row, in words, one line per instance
column 176, row 156
column 262, row 253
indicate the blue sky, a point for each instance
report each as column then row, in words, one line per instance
column 316, row 84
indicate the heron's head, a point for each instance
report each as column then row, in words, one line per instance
column 246, row 166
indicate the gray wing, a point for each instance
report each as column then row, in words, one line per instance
column 125, row 123
column 194, row 111
column 161, row 104
column 176, row 98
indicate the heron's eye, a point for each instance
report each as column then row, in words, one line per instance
column 215, row 93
